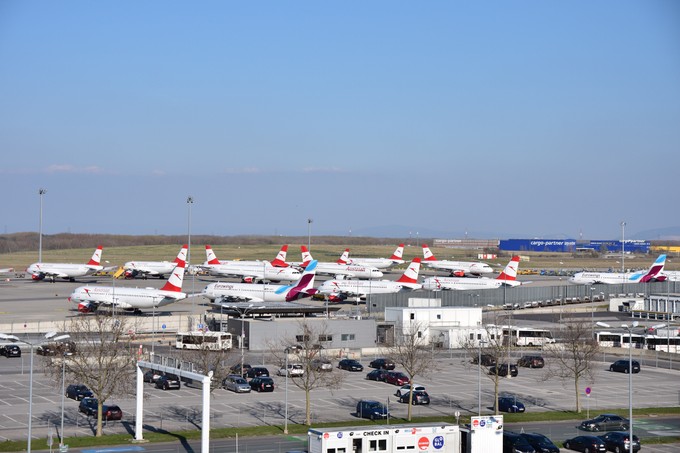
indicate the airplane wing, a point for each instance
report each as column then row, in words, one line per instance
column 228, row 300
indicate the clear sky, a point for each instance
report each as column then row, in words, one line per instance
column 496, row 118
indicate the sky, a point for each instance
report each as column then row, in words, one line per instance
column 508, row 119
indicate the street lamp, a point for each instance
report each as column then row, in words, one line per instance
column 479, row 378
column 41, row 192
column 243, row 312
column 285, row 421
column 14, row 339
column 623, row 255
column 309, row 234
column 190, row 202
column 630, row 378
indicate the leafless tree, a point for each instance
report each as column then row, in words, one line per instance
column 206, row 360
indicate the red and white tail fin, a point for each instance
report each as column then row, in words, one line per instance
column 280, row 260
column 306, row 256
column 96, row 257
column 344, row 258
column 410, row 275
column 182, row 255
column 174, row 283
column 210, row 256
column 427, row 254
column 398, row 253
column 510, row 271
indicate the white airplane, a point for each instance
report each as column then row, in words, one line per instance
column 380, row 263
column 338, row 290
column 655, row 273
column 66, row 271
column 279, row 261
column 340, row 270
column 249, row 271
column 89, row 298
column 672, row 276
column 153, row 268
column 6, row 270
column 263, row 292
column 506, row 278
column 456, row 268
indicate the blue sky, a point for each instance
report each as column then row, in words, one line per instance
column 499, row 118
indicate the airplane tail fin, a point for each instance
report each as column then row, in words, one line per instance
column 427, row 254
column 344, row 258
column 96, row 257
column 304, row 287
column 176, row 279
column 410, row 275
column 398, row 253
column 655, row 269
column 280, row 260
column 182, row 255
column 306, row 256
column 210, row 256
column 510, row 271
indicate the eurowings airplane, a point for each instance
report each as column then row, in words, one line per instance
column 456, row 268
column 66, row 271
column 380, row 263
column 655, row 273
column 154, row 268
column 89, row 298
column 506, row 278
column 340, row 270
column 338, row 290
column 249, row 271
column 263, row 292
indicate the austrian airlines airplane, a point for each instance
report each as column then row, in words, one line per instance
column 340, row 270
column 249, row 271
column 506, row 278
column 279, row 261
column 263, row 292
column 338, row 290
column 89, row 298
column 380, row 263
column 154, row 268
column 655, row 273
column 66, row 271
column 456, row 268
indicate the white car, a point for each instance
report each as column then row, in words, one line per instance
column 294, row 369
column 404, row 389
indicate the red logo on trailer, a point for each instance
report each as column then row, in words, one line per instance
column 423, row 443
column 325, row 435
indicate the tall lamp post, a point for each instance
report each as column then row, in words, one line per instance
column 309, row 234
column 623, row 251
column 243, row 312
column 479, row 378
column 190, row 202
column 41, row 192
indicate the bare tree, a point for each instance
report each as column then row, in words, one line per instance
column 412, row 352
column 571, row 360
column 206, row 360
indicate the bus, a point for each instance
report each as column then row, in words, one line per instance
column 527, row 336
column 659, row 342
column 216, row 341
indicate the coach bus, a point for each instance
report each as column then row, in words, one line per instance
column 527, row 336
column 660, row 342
column 215, row 341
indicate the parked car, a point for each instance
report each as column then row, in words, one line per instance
column 167, row 382
column 407, row 388
column 377, row 375
column 515, row 443
column 531, row 361
column 617, row 441
column 294, row 369
column 396, row 378
column 88, row 406
column 236, row 369
column 540, row 443
column 350, row 365
column 151, row 376
column 10, row 350
column 373, row 410
column 622, row 366
column 257, row 371
column 78, row 392
column 504, row 369
column 321, row 365
column 605, row 422
column 236, row 383
column 382, row 363
column 487, row 360
column 419, row 397
column 510, row 404
column 60, row 348
column 591, row 444
column 262, row 384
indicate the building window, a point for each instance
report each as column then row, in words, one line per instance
column 439, row 316
column 347, row 337
column 302, row 338
column 325, row 338
column 413, row 316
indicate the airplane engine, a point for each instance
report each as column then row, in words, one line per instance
column 130, row 273
column 37, row 277
column 337, row 298
column 248, row 280
column 86, row 307
column 458, row 273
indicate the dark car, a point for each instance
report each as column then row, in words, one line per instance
column 88, row 406
column 151, row 376
column 382, row 363
column 515, row 443
column 531, row 361
column 377, row 375
column 540, row 443
column 236, row 369
column 605, row 422
column 350, row 365
column 372, row 410
column 419, row 397
column 78, row 392
column 487, row 360
column 257, row 371
column 622, row 366
column 510, row 404
column 262, row 384
column 617, row 441
column 167, row 382
column 591, row 444
column 10, row 350
column 504, row 369
column 396, row 378
column 61, row 348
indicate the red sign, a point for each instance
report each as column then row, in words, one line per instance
column 325, row 435
column 423, row 443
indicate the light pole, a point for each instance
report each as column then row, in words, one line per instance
column 479, row 378
column 309, row 234
column 243, row 312
column 190, row 202
column 14, row 339
column 41, row 192
column 623, row 254
column 285, row 421
column 63, row 392
column 630, row 378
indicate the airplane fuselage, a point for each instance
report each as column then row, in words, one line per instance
column 462, row 267
column 349, row 270
column 150, row 267
column 364, row 287
column 261, row 292
column 259, row 271
column 379, row 263
column 464, row 283
column 126, row 298
column 62, row 270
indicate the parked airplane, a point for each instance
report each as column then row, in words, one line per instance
column 339, row 270
column 249, row 271
column 508, row 278
column 154, row 268
column 263, row 292
column 279, row 261
column 655, row 273
column 456, row 268
column 672, row 276
column 66, row 271
column 338, row 290
column 90, row 298
column 380, row 263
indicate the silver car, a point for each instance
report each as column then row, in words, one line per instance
column 236, row 383
column 294, row 369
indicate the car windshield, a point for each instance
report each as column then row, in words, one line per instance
column 240, row 381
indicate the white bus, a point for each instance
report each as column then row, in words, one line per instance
column 527, row 336
column 203, row 340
